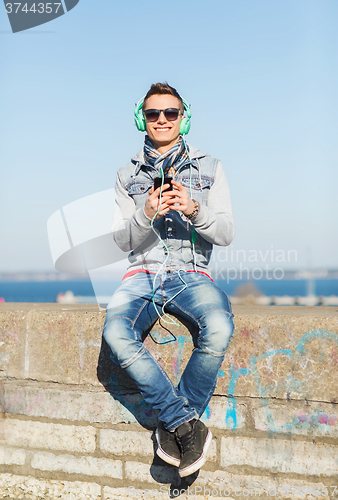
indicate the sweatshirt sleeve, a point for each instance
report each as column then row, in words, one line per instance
column 130, row 226
column 214, row 222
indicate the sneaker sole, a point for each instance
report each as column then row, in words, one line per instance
column 162, row 454
column 200, row 462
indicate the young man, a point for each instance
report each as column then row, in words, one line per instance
column 169, row 232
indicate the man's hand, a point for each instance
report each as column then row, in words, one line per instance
column 153, row 202
column 181, row 196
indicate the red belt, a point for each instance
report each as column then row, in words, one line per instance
column 135, row 271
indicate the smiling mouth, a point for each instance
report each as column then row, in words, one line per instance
column 162, row 129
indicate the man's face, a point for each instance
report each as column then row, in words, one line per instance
column 163, row 133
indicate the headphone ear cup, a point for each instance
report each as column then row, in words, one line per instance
column 138, row 116
column 185, row 126
column 140, row 122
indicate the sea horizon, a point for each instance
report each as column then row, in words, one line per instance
column 86, row 290
column 255, row 273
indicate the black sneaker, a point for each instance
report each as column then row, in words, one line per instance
column 167, row 446
column 193, row 438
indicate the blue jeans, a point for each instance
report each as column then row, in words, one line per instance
column 131, row 314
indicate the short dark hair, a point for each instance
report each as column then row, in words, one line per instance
column 162, row 88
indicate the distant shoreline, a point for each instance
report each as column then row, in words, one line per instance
column 41, row 276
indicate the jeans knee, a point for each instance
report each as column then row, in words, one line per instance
column 216, row 332
column 122, row 340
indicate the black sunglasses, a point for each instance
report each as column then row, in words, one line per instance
column 152, row 115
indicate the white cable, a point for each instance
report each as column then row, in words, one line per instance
column 171, row 322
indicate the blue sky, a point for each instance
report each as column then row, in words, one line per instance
column 261, row 77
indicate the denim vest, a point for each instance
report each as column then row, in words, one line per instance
column 174, row 228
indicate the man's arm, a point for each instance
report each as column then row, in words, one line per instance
column 130, row 227
column 215, row 221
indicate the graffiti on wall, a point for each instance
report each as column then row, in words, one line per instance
column 231, row 417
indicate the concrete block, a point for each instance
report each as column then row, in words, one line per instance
column 220, row 484
column 243, row 486
column 12, row 456
column 298, row 490
column 279, row 455
column 12, row 344
column 212, row 451
column 70, row 464
column 137, row 471
column 286, row 353
column 18, row 487
column 40, row 401
column 130, row 492
column 296, row 417
column 63, row 346
column 225, row 413
column 126, row 442
column 159, row 492
column 49, row 436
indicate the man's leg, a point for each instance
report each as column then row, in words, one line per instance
column 130, row 314
column 207, row 307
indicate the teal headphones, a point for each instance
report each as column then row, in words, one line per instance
column 141, row 123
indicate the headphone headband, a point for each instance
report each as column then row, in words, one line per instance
column 141, row 123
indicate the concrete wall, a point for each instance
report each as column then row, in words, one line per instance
column 74, row 427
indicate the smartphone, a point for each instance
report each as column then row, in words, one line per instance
column 158, row 182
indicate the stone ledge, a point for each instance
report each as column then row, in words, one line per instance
column 276, row 352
